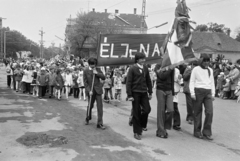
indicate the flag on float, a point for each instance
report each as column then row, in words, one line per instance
column 177, row 48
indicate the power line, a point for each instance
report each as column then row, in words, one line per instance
column 116, row 4
column 192, row 6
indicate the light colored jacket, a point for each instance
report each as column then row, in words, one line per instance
column 234, row 76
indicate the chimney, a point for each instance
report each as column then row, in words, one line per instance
column 228, row 32
column 135, row 11
column 105, row 10
column 116, row 11
column 93, row 9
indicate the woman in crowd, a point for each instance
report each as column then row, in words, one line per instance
column 68, row 82
column 81, row 85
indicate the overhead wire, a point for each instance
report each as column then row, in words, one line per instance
column 116, row 4
column 192, row 6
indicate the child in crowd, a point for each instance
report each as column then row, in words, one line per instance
column 219, row 86
column 81, row 85
column 9, row 72
column 42, row 80
column 68, row 81
column 107, row 85
column 226, row 89
column 18, row 77
column 75, row 83
column 51, row 80
column 58, row 83
column 34, row 82
column 237, row 92
column 118, row 86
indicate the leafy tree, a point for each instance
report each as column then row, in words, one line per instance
column 238, row 37
column 87, row 29
column 202, row 28
column 213, row 27
column 16, row 42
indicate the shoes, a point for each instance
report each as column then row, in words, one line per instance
column 100, row 126
column 198, row 136
column 40, row 97
column 50, row 96
column 130, row 121
column 16, row 90
column 137, row 136
column 86, row 121
column 207, row 137
column 144, row 129
column 190, row 122
column 177, row 128
column 162, row 136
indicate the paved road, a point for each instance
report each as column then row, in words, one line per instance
column 23, row 114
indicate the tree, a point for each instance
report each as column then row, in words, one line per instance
column 238, row 37
column 87, row 29
column 213, row 27
column 16, row 41
column 202, row 28
column 237, row 33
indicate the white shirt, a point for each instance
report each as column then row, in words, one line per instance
column 177, row 85
column 200, row 79
column 69, row 80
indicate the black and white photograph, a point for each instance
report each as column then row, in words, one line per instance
column 119, row 80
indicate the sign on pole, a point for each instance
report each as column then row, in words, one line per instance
column 120, row 49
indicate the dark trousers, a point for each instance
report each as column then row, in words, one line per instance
column 111, row 94
column 71, row 91
column 106, row 91
column 76, row 92
column 9, row 80
column 140, row 110
column 28, row 87
column 203, row 97
column 98, row 98
column 176, row 115
column 164, row 111
column 189, row 106
column 14, row 82
column 50, row 88
column 42, row 91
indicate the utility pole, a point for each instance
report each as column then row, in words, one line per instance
column 52, row 49
column 1, row 34
column 41, row 43
column 143, row 16
column 88, row 4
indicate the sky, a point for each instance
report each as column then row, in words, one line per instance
column 30, row 16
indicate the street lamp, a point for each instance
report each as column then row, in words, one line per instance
column 158, row 26
column 4, row 41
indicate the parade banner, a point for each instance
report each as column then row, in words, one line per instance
column 120, row 49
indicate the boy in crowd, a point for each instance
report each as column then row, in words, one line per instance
column 139, row 91
column 93, row 85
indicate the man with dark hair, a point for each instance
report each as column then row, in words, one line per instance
column 95, row 92
column 202, row 91
column 186, row 91
column 165, row 109
column 139, row 91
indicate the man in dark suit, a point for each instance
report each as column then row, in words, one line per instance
column 95, row 92
column 139, row 91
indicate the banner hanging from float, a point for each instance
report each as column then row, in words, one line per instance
column 120, row 49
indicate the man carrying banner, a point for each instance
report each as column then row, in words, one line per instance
column 91, row 77
column 202, row 91
column 139, row 91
